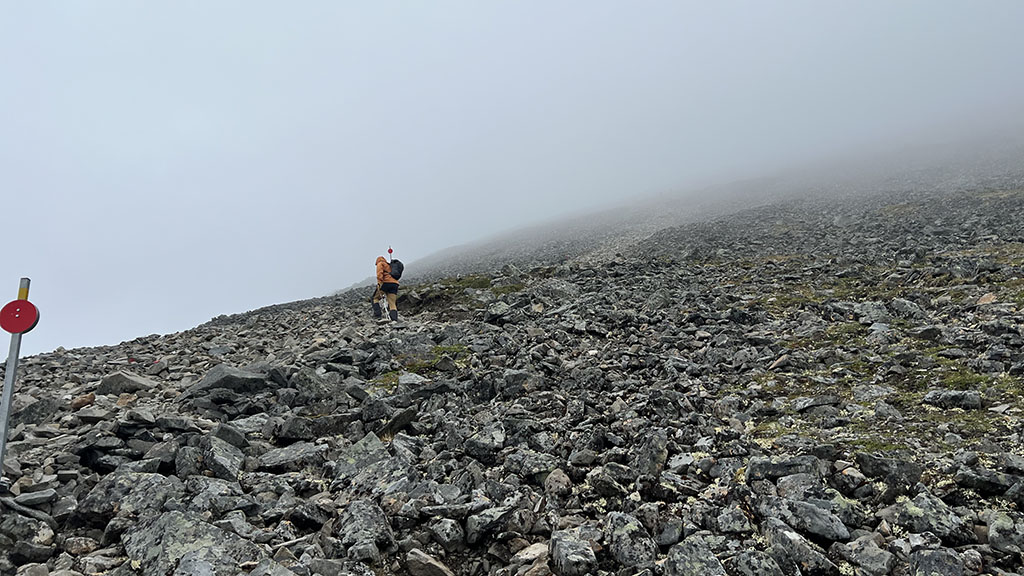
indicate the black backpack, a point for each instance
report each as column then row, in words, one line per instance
column 396, row 269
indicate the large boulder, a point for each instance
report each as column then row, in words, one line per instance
column 122, row 382
column 227, row 377
column 174, row 543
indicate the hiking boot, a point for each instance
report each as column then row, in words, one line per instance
column 376, row 311
column 394, row 315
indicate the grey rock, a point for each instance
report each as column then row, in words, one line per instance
column 753, row 563
column 303, row 428
column 629, row 542
column 530, row 464
column 926, row 513
column 25, row 552
column 33, row 570
column 93, row 415
column 188, row 461
column 486, row 522
column 887, row 412
column 933, row 333
column 653, row 454
column 448, row 533
column 792, row 552
column 966, row 399
column 270, row 568
column 931, row 562
column 173, row 423
column 986, row 482
column 805, row 517
column 671, row 532
column 419, row 563
column 221, row 458
column 130, row 492
column 761, row 468
column 1004, row 534
column 571, row 555
column 899, row 475
column 364, row 531
column 312, row 387
column 604, row 483
column 497, row 311
column 293, row 458
column 368, row 450
column 122, row 382
column 34, row 411
column 907, row 309
column 866, row 553
column 400, row 421
column 734, row 521
column 806, row 403
column 227, row 377
column 485, row 444
column 161, row 544
column 693, row 557
column 250, row 424
column 36, row 498
column 331, row 567
column 231, row 435
column 869, row 392
column 871, row 312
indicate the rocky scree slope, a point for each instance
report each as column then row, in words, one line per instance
column 828, row 387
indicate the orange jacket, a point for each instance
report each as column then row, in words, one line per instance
column 384, row 271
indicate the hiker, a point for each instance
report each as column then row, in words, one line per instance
column 387, row 284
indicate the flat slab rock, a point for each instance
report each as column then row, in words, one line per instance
column 175, row 543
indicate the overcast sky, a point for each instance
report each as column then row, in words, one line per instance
column 165, row 162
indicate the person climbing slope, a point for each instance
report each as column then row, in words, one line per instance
column 388, row 274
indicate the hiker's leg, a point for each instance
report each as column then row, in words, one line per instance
column 377, row 312
column 393, row 305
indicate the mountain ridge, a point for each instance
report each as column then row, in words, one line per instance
column 817, row 385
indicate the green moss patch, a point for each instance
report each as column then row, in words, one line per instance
column 507, row 289
column 427, row 364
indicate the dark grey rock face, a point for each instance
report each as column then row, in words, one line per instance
column 926, row 513
column 222, row 459
column 693, row 557
column 942, row 561
column 294, row 457
column 224, row 377
column 173, row 542
column 571, row 556
column 630, row 544
column 753, row 563
column 807, row 518
column 364, row 531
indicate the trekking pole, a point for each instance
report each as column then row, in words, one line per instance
column 17, row 317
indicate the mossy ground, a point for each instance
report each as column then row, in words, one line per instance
column 910, row 367
column 427, row 364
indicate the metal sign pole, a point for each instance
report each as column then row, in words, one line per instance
column 5, row 404
column 8, row 396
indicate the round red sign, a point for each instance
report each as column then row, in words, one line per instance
column 19, row 316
